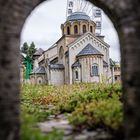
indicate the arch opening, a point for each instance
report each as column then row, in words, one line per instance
column 62, row 65
column 68, row 30
column 119, row 28
column 75, row 29
column 84, row 29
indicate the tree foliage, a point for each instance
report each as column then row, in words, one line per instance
column 29, row 50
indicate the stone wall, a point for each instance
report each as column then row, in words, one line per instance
column 12, row 17
column 77, row 46
column 38, row 79
column 125, row 15
column 86, row 68
column 51, row 53
column 56, row 77
column 79, row 25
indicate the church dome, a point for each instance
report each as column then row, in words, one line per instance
column 78, row 16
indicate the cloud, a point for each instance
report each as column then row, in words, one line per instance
column 43, row 27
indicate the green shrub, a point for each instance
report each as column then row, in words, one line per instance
column 91, row 106
column 107, row 113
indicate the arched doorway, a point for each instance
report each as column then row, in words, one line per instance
column 125, row 16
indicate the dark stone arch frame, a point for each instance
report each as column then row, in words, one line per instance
column 125, row 15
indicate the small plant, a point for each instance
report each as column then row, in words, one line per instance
column 90, row 106
column 101, row 113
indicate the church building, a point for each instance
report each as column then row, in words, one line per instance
column 78, row 56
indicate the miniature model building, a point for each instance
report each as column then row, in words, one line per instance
column 78, row 56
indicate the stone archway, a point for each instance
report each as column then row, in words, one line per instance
column 125, row 15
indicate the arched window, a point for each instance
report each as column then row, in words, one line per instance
column 75, row 29
column 68, row 30
column 91, row 29
column 84, row 28
column 76, row 75
column 61, row 52
column 94, row 70
column 39, row 80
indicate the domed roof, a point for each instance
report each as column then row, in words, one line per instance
column 78, row 16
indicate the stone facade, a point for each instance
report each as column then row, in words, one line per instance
column 78, row 56
column 117, row 72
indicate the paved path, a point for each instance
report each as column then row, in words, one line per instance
column 61, row 123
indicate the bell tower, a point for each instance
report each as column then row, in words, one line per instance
column 77, row 24
column 84, row 6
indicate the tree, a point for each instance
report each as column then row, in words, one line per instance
column 32, row 49
column 28, row 60
column 28, row 50
column 24, row 48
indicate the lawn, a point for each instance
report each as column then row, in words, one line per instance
column 90, row 106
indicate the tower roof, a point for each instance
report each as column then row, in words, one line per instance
column 76, row 64
column 78, row 16
column 89, row 50
column 39, row 70
column 39, row 51
column 57, row 66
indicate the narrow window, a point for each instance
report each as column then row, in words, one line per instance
column 75, row 29
column 91, row 29
column 68, row 30
column 61, row 52
column 76, row 75
column 84, row 28
column 95, row 71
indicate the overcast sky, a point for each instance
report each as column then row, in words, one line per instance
column 43, row 27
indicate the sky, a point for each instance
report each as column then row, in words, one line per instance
column 43, row 27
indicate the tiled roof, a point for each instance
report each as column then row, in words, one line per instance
column 39, row 52
column 76, row 64
column 89, row 50
column 112, row 63
column 54, row 61
column 105, row 64
column 39, row 70
column 78, row 16
column 56, row 66
column 53, row 46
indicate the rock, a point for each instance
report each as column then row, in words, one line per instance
column 90, row 133
column 51, row 117
column 103, row 136
column 61, row 123
column 61, row 116
column 48, row 126
column 81, row 137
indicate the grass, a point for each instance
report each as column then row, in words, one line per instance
column 90, row 106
